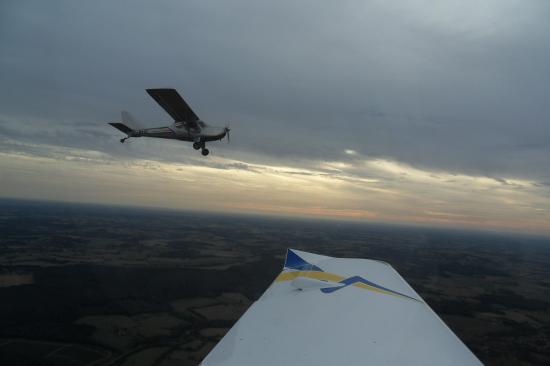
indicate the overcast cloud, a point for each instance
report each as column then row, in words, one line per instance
column 450, row 87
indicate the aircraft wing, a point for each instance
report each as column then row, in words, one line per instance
column 334, row 311
column 174, row 105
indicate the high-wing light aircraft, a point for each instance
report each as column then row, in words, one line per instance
column 339, row 311
column 187, row 125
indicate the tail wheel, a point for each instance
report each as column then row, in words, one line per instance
column 205, row 152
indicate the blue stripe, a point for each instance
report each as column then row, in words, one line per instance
column 294, row 261
column 352, row 280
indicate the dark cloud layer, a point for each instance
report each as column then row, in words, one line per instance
column 451, row 86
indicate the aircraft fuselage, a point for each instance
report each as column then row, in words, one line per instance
column 179, row 132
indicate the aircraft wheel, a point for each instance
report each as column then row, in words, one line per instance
column 122, row 141
column 197, row 145
column 205, row 152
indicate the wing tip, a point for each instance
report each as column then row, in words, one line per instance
column 294, row 261
column 152, row 90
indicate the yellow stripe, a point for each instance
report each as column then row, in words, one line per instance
column 289, row 276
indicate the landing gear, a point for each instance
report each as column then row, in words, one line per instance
column 201, row 145
column 124, row 139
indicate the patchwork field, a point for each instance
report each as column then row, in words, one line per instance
column 94, row 285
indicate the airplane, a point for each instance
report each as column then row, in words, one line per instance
column 323, row 310
column 187, row 125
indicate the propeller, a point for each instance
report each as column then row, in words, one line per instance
column 227, row 129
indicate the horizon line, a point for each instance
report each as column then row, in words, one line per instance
column 295, row 216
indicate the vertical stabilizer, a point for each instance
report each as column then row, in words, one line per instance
column 128, row 120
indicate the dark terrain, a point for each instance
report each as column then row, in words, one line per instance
column 99, row 285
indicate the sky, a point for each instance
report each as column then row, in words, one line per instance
column 420, row 112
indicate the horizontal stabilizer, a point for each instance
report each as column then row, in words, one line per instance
column 121, row 127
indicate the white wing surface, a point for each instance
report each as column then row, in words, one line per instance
column 337, row 311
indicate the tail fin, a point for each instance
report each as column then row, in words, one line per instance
column 127, row 119
column 121, row 127
column 128, row 124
